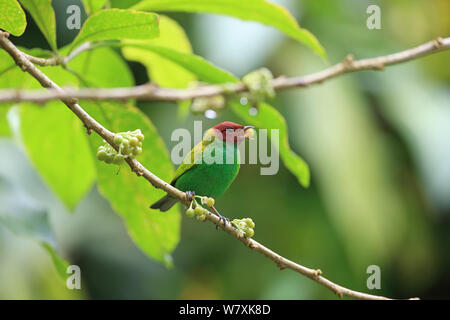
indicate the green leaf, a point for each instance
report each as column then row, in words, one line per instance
column 115, row 24
column 154, row 232
column 255, row 10
column 196, row 65
column 92, row 6
column 269, row 118
column 24, row 217
column 12, row 17
column 102, row 67
column 44, row 16
column 55, row 141
column 169, row 60
column 4, row 127
column 60, row 264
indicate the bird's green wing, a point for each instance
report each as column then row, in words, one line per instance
column 191, row 159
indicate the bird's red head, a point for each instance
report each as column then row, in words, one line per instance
column 232, row 132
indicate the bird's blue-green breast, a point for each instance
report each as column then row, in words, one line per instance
column 210, row 177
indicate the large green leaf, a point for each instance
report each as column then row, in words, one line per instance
column 55, row 141
column 24, row 217
column 156, row 233
column 44, row 16
column 102, row 67
column 92, row 6
column 255, row 10
column 115, row 24
column 12, row 17
column 268, row 117
column 160, row 70
column 196, row 65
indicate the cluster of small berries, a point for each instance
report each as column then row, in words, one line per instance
column 244, row 226
column 129, row 143
column 197, row 211
column 259, row 85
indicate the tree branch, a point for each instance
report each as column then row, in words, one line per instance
column 152, row 92
column 91, row 124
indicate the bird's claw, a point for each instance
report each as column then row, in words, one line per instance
column 224, row 219
column 221, row 217
column 190, row 195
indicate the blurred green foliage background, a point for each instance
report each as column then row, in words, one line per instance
column 378, row 144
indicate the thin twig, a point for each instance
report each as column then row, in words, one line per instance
column 151, row 92
column 91, row 124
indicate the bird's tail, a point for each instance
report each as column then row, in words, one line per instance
column 164, row 203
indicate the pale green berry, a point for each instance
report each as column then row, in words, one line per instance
column 101, row 155
column 190, row 212
column 137, row 151
column 210, row 202
column 201, row 217
column 199, row 210
column 109, row 158
column 118, row 139
column 249, row 222
column 249, row 233
column 134, row 141
column 118, row 159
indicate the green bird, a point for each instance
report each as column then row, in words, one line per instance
column 211, row 166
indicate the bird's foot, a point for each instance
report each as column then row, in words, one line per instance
column 190, row 195
column 221, row 218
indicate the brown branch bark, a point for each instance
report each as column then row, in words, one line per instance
column 152, row 92
column 91, row 124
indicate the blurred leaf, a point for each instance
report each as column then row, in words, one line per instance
column 44, row 16
column 25, row 218
column 114, row 24
column 4, row 127
column 59, row 263
column 12, row 17
column 92, row 6
column 55, row 141
column 122, row 4
column 255, row 10
column 156, row 233
column 269, row 118
column 204, row 70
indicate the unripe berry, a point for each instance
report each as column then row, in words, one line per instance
column 199, row 210
column 210, row 202
column 134, row 141
column 190, row 212
column 118, row 159
column 249, row 222
column 249, row 233
column 109, row 158
column 201, row 217
column 137, row 151
column 118, row 139
column 101, row 155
